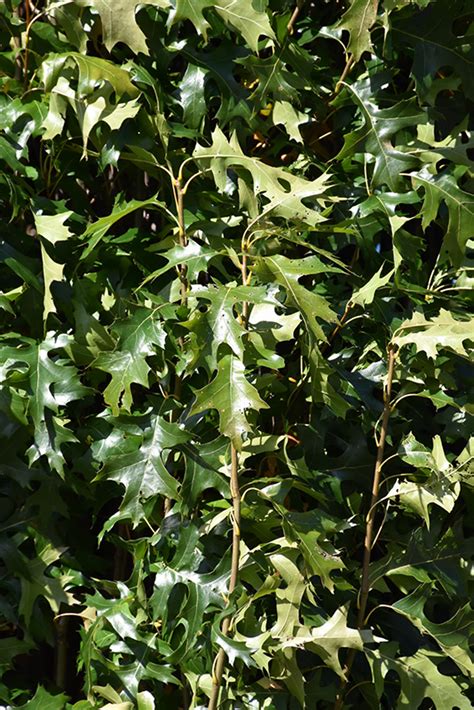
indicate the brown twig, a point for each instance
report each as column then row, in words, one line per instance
column 218, row 666
column 370, row 520
column 291, row 24
column 375, row 488
column 349, row 64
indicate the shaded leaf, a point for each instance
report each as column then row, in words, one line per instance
column 50, row 382
column 375, row 136
column 435, row 43
column 419, row 678
column 451, row 635
column 43, row 700
column 460, row 204
column 192, row 96
column 138, row 337
column 142, row 471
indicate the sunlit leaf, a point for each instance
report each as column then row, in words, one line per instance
column 232, row 395
column 358, row 20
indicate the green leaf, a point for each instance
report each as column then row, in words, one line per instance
column 235, row 650
column 41, row 584
column 419, row 678
column 219, row 325
column 322, row 384
column 192, row 96
column 194, row 256
column 145, row 701
column 288, row 596
column 283, row 190
column 119, row 23
column 419, row 456
column 232, row 395
column 419, row 497
column 91, row 104
column 127, row 364
column 286, row 114
column 319, row 561
column 241, row 15
column 43, row 700
column 358, row 21
column 442, row 331
column 67, row 17
column 193, row 11
column 49, row 383
column 287, row 273
column 460, row 204
column 116, row 515
column 206, row 467
column 91, row 71
column 365, row 295
column 327, row 640
column 52, row 230
column 452, row 635
column 142, row 471
column 97, row 230
column 442, row 488
column 375, row 136
column 204, row 590
column 274, row 83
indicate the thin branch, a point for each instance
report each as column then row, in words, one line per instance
column 370, row 520
column 179, row 197
column 193, row 177
column 60, row 670
column 219, row 662
column 291, row 24
column 345, row 72
column 375, row 488
column 181, row 168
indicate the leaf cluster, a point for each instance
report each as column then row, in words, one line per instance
column 220, row 223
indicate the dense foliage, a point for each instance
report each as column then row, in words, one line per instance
column 236, row 270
